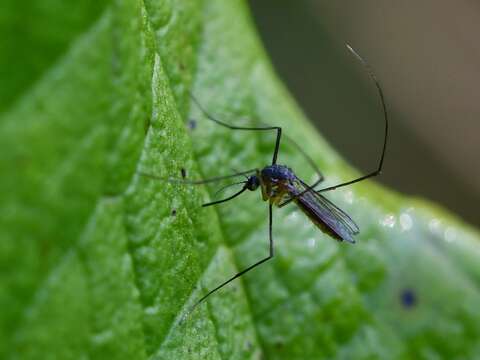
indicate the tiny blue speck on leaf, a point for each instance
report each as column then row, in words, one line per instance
column 408, row 298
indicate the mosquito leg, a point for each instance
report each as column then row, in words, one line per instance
column 385, row 116
column 212, row 118
column 196, row 182
column 266, row 127
column 378, row 171
column 309, row 160
column 226, row 199
column 311, row 163
column 251, row 267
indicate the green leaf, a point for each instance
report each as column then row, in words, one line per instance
column 99, row 262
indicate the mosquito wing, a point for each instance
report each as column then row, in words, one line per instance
column 326, row 215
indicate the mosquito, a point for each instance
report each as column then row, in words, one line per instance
column 280, row 186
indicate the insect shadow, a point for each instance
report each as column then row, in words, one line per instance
column 280, row 186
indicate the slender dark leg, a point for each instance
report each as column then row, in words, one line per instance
column 385, row 115
column 226, row 199
column 276, row 128
column 266, row 127
column 251, row 267
column 197, row 182
column 230, row 185
column 275, row 152
column 378, row 171
column 309, row 160
column 311, row 163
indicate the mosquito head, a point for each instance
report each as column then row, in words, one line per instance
column 252, row 183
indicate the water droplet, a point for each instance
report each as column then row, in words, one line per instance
column 388, row 221
column 406, row 222
column 151, row 310
column 450, row 234
column 349, row 196
column 293, row 216
column 434, row 226
column 103, row 337
column 311, row 242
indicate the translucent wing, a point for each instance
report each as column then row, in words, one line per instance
column 324, row 213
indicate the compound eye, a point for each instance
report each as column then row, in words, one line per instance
column 253, row 183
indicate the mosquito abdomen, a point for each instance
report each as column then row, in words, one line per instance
column 308, row 210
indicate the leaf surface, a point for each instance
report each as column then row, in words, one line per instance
column 99, row 262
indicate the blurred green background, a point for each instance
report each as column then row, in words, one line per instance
column 426, row 55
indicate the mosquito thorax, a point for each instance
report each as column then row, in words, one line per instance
column 277, row 172
column 253, row 182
